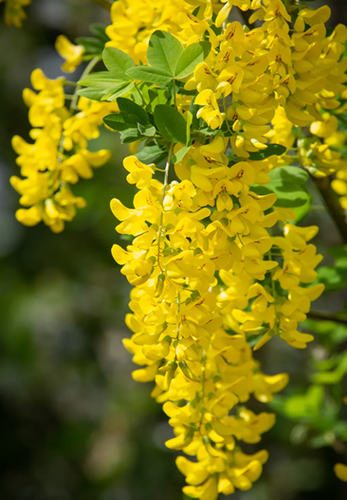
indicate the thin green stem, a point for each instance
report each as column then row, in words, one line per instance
column 73, row 103
column 86, row 72
column 178, row 301
column 72, row 84
column 166, row 179
column 174, row 92
column 226, row 118
column 203, row 380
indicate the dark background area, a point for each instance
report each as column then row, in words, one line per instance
column 73, row 423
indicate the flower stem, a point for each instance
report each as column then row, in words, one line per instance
column 166, row 178
column 86, row 72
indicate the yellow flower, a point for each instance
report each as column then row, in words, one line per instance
column 70, row 52
column 341, row 471
column 14, row 12
column 210, row 110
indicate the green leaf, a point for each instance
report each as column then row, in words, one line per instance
column 154, row 96
column 334, row 376
column 146, row 130
column 289, row 195
column 91, row 45
column 98, row 30
column 164, row 51
column 92, row 93
column 295, row 175
column 334, row 278
column 272, row 149
column 151, row 152
column 188, row 125
column 129, row 107
column 130, row 135
column 121, row 122
column 150, row 75
column 170, row 123
column 302, row 211
column 101, row 80
column 180, row 154
column 121, row 91
column 190, row 58
column 117, row 62
column 286, row 183
column 340, row 254
column 305, row 405
column 331, row 333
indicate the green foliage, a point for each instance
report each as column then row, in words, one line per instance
column 170, row 123
column 334, row 277
column 168, row 60
column 328, row 376
column 152, row 153
column 192, row 56
column 94, row 46
column 287, row 184
column 164, row 51
column 117, row 63
column 272, row 149
column 306, row 405
column 149, row 74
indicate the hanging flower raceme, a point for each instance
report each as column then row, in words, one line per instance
column 178, row 335
column 58, row 155
column 218, row 263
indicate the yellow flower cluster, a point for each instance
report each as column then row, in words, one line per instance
column 210, row 279
column 279, row 77
column 14, row 12
column 58, row 155
column 134, row 21
column 182, row 334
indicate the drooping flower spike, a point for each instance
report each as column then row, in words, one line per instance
column 224, row 123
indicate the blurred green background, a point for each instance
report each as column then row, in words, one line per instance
column 73, row 423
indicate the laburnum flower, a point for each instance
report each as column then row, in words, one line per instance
column 58, row 155
column 210, row 110
column 14, row 12
column 70, row 52
column 341, row 471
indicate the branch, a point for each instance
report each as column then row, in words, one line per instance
column 105, row 4
column 315, row 315
column 333, row 206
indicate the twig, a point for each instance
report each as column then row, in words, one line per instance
column 103, row 3
column 86, row 72
column 315, row 315
column 334, row 208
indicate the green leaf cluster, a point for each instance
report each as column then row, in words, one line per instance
column 94, row 45
column 168, row 60
column 166, row 56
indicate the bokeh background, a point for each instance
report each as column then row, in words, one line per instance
column 73, row 423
